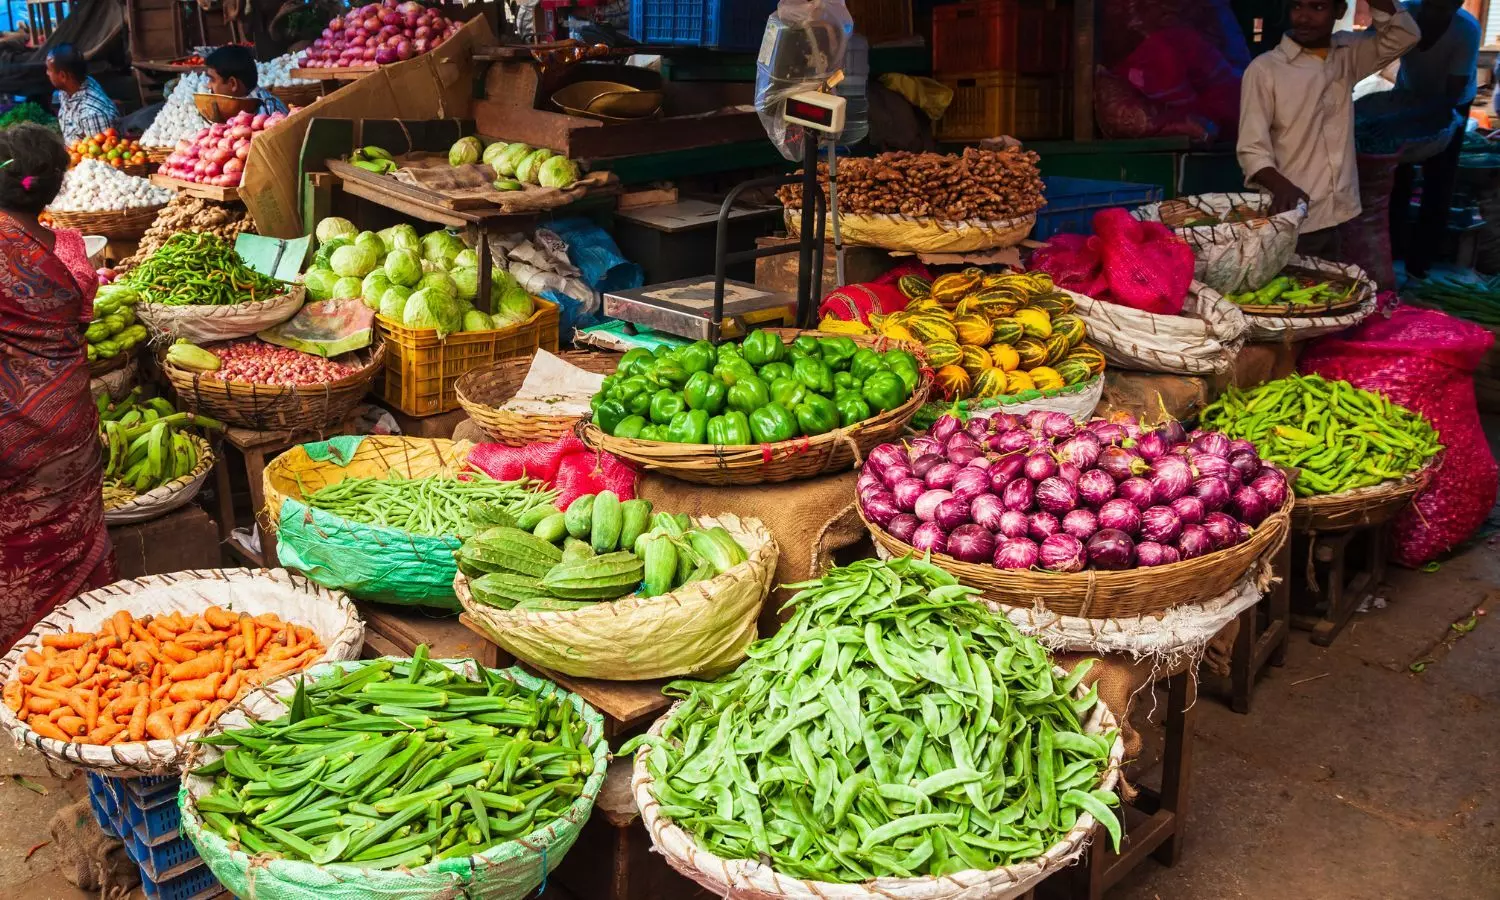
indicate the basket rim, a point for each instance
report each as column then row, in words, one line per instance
column 516, row 362
column 367, row 371
column 294, row 290
column 1371, row 495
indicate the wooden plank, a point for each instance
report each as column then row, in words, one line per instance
column 350, row 172
column 417, row 210
column 404, row 627
column 628, row 704
column 352, row 73
column 1085, row 19
column 194, row 189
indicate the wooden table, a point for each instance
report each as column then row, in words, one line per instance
column 1338, row 573
column 397, row 630
column 1255, row 646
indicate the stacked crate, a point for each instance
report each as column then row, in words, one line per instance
column 142, row 813
column 1009, row 63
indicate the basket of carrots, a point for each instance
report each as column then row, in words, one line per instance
column 117, row 679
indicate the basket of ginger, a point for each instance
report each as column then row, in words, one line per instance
column 117, row 679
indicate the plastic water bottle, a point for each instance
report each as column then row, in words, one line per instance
column 852, row 89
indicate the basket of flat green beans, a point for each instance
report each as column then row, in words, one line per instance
column 394, row 778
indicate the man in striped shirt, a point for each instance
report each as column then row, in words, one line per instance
column 83, row 109
column 231, row 71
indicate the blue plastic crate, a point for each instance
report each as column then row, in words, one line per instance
column 163, row 861
column 198, row 884
column 721, row 24
column 156, row 822
column 150, row 790
column 102, row 816
column 1072, row 202
column 104, row 798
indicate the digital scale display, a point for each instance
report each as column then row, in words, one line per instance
column 820, row 112
column 809, row 112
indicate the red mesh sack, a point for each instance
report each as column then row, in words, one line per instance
column 855, row 302
column 1072, row 263
column 1425, row 361
column 1147, row 266
column 565, row 464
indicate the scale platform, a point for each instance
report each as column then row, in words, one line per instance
column 686, row 308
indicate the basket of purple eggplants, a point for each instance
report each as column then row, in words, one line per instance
column 1105, row 519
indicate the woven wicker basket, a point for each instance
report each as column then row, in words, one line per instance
column 1361, row 507
column 482, row 392
column 1094, row 594
column 921, row 234
column 157, row 155
column 275, row 407
column 116, row 224
column 298, row 94
column 801, row 457
column 164, row 498
column 206, row 324
column 105, row 366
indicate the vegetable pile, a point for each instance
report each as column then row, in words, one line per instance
column 397, row 765
column 27, row 112
column 1475, row 301
column 179, row 117
column 426, row 282
column 1295, row 291
column 1043, row 492
column 109, row 148
column 926, row 738
column 378, row 34
column 192, row 214
column 93, row 186
column 518, row 164
column 154, row 677
column 990, row 185
column 1006, row 334
column 146, row 445
column 600, row 549
column 254, row 361
column 759, row 391
column 1338, row 436
column 202, row 270
column 114, row 329
column 216, row 155
column 434, row 506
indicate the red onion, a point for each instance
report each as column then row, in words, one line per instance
column 1014, row 524
column 1214, row 492
column 1138, row 491
column 924, row 463
column 941, row 475
column 1069, row 473
column 1194, row 542
column 1003, row 470
column 1017, row 553
column 1082, row 450
column 962, row 456
column 907, row 492
column 927, row 504
column 1171, row 476
column 971, row 543
column 1189, row 509
column 1111, row 549
column 951, row 513
column 1120, row 514
column 1040, row 465
column 881, row 508
column 1120, row 464
column 1222, row 530
column 1150, row 553
column 1080, row 523
column 1160, row 524
column 945, row 427
column 256, row 362
column 970, row 483
column 1040, row 525
column 1249, row 505
column 1095, row 486
column 902, row 526
column 987, row 511
column 1061, row 553
column 929, row 536
column 1270, row 484
column 1018, row 495
column 1212, row 443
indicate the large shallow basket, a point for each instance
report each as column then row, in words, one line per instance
column 164, row 498
column 116, row 224
column 1361, row 507
column 1095, row 594
column 1206, row 339
column 298, row 94
column 801, row 457
column 697, row 631
column 510, row 870
column 1268, row 326
column 921, row 234
column 1231, row 257
column 483, row 391
column 206, row 324
column 742, row 879
column 329, row 614
column 275, row 407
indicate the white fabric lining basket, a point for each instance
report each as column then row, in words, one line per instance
column 1233, row 257
column 1292, row 329
column 1078, row 401
column 205, row 324
column 164, row 498
column 1204, row 340
column 330, row 614
column 742, row 879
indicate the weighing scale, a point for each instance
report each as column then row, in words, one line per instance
column 713, row 307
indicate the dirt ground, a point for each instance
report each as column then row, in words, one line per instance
column 1351, row 778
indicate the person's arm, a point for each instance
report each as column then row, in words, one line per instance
column 1394, row 33
column 1255, row 150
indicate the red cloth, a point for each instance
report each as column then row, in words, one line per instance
column 855, row 302
column 53, row 543
column 566, row 464
column 1142, row 265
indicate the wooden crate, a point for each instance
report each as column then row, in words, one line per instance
column 185, row 538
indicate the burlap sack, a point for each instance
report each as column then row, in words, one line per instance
column 473, row 183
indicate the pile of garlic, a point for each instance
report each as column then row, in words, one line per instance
column 278, row 72
column 93, row 186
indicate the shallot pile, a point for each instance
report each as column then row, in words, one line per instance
column 258, row 362
column 1041, row 491
column 216, row 155
column 377, row 34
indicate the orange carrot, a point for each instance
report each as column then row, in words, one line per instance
column 141, row 634
column 34, row 658
column 27, row 674
column 201, row 689
column 47, row 729
column 89, row 666
column 182, row 715
column 176, row 652
column 231, row 686
column 15, row 696
column 104, row 733
column 198, row 667
column 137, row 725
column 220, row 618
column 159, row 725
column 41, row 704
column 200, row 720
column 70, row 641
column 120, row 621
column 72, row 726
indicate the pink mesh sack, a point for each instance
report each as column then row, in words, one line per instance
column 1147, row 266
column 565, row 464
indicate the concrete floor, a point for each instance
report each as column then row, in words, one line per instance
column 1351, row 778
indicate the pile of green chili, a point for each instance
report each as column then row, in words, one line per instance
column 1338, row 436
column 893, row 727
column 200, row 269
column 434, row 506
column 397, row 764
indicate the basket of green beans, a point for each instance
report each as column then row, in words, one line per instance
column 394, row 778
column 893, row 740
column 195, row 286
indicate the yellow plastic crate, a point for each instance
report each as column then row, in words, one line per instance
column 990, row 104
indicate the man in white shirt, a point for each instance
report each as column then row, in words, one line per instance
column 1442, row 70
column 1297, row 113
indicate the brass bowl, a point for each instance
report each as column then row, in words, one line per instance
column 222, row 107
column 607, row 100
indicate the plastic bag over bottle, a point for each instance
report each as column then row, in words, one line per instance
column 803, row 47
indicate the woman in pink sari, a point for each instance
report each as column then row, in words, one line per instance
column 53, row 543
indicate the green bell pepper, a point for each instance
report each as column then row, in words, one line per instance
column 761, row 347
column 729, row 430
column 852, row 408
column 865, row 362
column 665, row 404
column 668, row 373
column 634, row 362
column 838, row 352
column 885, row 391
column 795, row 353
column 772, row 423
column 807, row 344
column 816, row 414
column 772, row 371
column 630, row 427
column 843, row 381
column 788, row 392
column 609, row 415
column 608, row 387
column 704, row 391
column 688, row 427
column 731, row 369
column 749, row 394
column 653, row 433
column 594, row 402
column 635, row 392
column 697, row 357
column 814, row 375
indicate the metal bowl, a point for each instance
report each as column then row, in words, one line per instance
column 607, row 100
column 222, row 107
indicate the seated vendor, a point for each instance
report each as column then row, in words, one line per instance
column 231, row 71
column 83, row 109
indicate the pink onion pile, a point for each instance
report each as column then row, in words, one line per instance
column 377, row 34
column 1044, row 492
column 216, row 155
column 258, row 362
